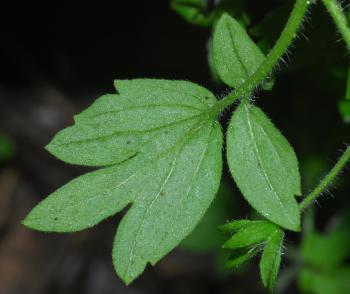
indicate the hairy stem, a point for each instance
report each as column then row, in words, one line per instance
column 288, row 34
column 339, row 19
column 327, row 181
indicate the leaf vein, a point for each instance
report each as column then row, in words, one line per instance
column 257, row 154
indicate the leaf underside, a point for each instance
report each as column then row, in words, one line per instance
column 158, row 150
column 235, row 55
column 264, row 166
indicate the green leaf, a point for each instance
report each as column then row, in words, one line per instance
column 212, row 69
column 193, row 11
column 264, row 166
column 271, row 259
column 147, row 116
column 204, row 14
column 250, row 235
column 235, row 55
column 335, row 282
column 241, row 255
column 324, row 255
column 327, row 251
column 161, row 153
column 236, row 225
column 344, row 108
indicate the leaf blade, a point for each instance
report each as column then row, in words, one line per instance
column 271, row 259
column 253, row 234
column 241, row 256
column 170, row 180
column 264, row 166
column 130, row 261
column 237, row 225
column 118, row 126
column 237, row 60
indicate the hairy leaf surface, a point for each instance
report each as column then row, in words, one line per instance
column 144, row 115
column 251, row 237
column 264, row 166
column 240, row 256
column 252, row 234
column 236, row 57
column 160, row 152
column 237, row 225
column 271, row 259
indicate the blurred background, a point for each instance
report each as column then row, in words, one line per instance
column 55, row 60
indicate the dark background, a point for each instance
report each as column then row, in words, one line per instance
column 56, row 59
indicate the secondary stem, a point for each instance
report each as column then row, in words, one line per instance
column 339, row 18
column 327, row 181
column 282, row 44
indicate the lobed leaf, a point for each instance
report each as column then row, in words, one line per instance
column 235, row 55
column 264, row 166
column 161, row 153
column 145, row 112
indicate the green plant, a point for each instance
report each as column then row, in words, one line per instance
column 158, row 146
column 324, row 254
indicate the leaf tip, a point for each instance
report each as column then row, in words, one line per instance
column 124, row 276
column 127, row 280
column 222, row 228
column 53, row 148
column 57, row 151
column 30, row 223
column 226, row 16
column 49, row 147
column 225, row 245
column 294, row 224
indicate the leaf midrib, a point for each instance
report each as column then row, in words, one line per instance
column 162, row 186
column 240, row 61
column 169, row 105
column 204, row 153
column 266, row 176
column 99, row 138
column 182, row 142
column 175, row 90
